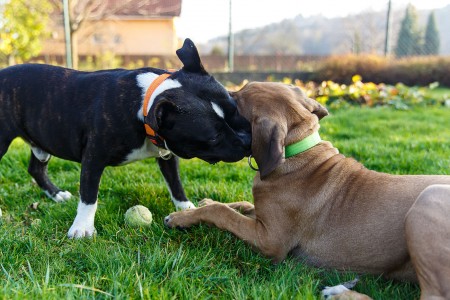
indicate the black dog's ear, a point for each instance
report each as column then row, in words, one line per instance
column 267, row 145
column 188, row 55
column 164, row 115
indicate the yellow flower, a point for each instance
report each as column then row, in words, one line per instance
column 356, row 78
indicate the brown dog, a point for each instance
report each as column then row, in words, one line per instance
column 329, row 209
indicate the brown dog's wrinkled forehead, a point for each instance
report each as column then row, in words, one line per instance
column 256, row 94
column 254, row 91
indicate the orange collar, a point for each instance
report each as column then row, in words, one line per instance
column 151, row 134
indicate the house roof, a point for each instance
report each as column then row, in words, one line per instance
column 144, row 8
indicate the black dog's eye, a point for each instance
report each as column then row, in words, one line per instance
column 215, row 139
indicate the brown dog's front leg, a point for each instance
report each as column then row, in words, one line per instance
column 244, row 207
column 217, row 214
column 251, row 231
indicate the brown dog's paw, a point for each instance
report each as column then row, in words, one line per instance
column 206, row 202
column 180, row 220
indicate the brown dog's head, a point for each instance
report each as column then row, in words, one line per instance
column 280, row 115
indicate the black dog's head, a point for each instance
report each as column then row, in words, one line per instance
column 199, row 118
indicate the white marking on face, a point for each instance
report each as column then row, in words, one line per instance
column 83, row 225
column 144, row 80
column 40, row 154
column 148, row 149
column 217, row 109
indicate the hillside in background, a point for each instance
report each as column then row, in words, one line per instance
column 317, row 35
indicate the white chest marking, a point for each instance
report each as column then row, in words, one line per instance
column 40, row 154
column 144, row 80
column 147, row 150
column 217, row 109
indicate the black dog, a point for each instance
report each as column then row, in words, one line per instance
column 97, row 118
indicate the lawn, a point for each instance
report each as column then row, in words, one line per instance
column 440, row 92
column 39, row 261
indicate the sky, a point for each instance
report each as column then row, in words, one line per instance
column 202, row 20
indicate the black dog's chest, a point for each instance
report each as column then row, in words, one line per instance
column 145, row 151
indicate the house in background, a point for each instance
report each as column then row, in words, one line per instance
column 126, row 28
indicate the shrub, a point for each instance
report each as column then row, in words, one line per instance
column 410, row 71
column 400, row 96
column 357, row 93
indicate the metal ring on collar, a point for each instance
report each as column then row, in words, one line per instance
column 165, row 156
column 250, row 163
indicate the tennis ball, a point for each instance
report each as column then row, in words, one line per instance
column 138, row 215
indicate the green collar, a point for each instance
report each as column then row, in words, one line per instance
column 303, row 145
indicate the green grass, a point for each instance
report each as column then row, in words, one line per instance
column 440, row 92
column 201, row 263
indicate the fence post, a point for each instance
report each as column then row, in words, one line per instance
column 388, row 29
column 67, row 34
column 230, row 43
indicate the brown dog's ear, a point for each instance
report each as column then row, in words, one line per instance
column 310, row 104
column 316, row 108
column 267, row 145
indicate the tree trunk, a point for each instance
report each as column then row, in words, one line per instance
column 74, row 43
column 11, row 60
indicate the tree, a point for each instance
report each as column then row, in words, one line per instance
column 431, row 41
column 22, row 27
column 356, row 47
column 217, row 50
column 81, row 11
column 408, row 42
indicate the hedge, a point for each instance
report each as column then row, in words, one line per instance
column 411, row 71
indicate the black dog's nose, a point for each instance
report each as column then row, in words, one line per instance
column 245, row 141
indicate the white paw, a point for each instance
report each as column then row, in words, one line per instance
column 81, row 230
column 83, row 225
column 342, row 291
column 183, row 205
column 64, row 195
column 329, row 291
column 61, row 196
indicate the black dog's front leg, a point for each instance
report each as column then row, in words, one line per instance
column 83, row 225
column 169, row 169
